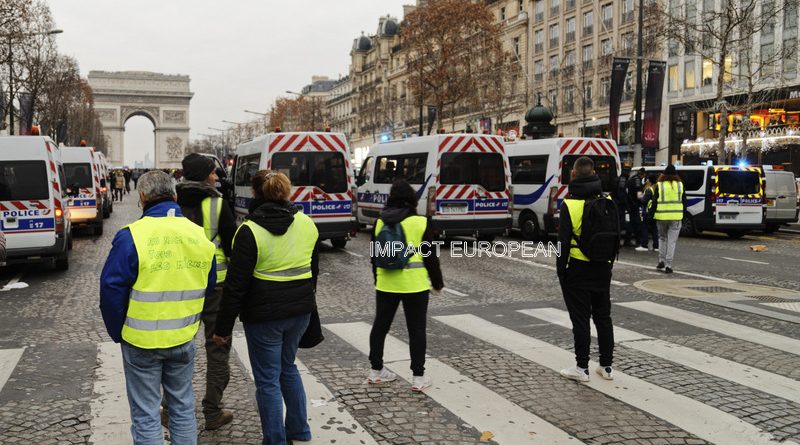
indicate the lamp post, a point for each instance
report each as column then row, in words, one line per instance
column 11, row 73
column 637, row 133
column 313, row 108
column 263, row 115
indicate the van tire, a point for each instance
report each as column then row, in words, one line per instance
column 529, row 226
column 339, row 243
column 688, row 227
column 772, row 228
column 106, row 211
column 62, row 262
column 736, row 234
column 98, row 229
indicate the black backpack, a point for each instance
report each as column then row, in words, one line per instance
column 387, row 253
column 600, row 230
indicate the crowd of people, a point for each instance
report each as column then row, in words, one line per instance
column 184, row 262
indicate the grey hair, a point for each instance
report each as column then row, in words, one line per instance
column 155, row 185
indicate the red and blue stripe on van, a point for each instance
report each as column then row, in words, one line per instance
column 582, row 146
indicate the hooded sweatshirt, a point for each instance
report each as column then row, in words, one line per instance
column 254, row 300
column 190, row 197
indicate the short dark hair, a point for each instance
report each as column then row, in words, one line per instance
column 402, row 195
column 583, row 167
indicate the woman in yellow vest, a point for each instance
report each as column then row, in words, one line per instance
column 409, row 285
column 270, row 286
column 669, row 203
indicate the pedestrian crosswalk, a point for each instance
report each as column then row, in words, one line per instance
column 477, row 404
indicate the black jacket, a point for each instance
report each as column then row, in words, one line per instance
column 394, row 215
column 254, row 300
column 191, row 194
column 579, row 188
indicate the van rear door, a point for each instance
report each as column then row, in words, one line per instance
column 739, row 196
column 781, row 196
column 26, row 212
column 606, row 162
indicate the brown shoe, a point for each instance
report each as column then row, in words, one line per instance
column 164, row 418
column 223, row 419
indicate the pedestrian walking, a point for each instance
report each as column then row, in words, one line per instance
column 669, row 202
column 127, row 175
column 152, row 291
column 650, row 229
column 590, row 227
column 270, row 286
column 202, row 204
column 407, row 280
column 620, row 197
column 634, row 188
column 135, row 176
column 119, row 185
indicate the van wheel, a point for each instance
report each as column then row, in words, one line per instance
column 106, row 211
column 529, row 226
column 688, row 227
column 62, row 262
column 98, row 229
column 339, row 243
column 736, row 234
column 772, row 228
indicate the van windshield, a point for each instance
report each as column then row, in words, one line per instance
column 325, row 170
column 739, row 182
column 604, row 166
column 23, row 180
column 484, row 169
column 78, row 175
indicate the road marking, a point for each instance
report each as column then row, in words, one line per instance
column 688, row 414
column 13, row 281
column 323, row 409
column 455, row 292
column 357, row 255
column 690, row 274
column 8, row 361
column 723, row 327
column 758, row 310
column 758, row 379
column 553, row 268
column 472, row 402
column 788, row 306
column 743, row 261
column 111, row 420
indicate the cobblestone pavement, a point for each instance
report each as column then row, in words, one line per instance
column 55, row 386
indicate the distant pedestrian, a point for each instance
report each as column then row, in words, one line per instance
column 635, row 190
column 589, row 225
column 407, row 280
column 649, row 229
column 620, row 197
column 119, row 185
column 127, row 175
column 669, row 202
column 152, row 290
column 135, row 176
column 270, row 286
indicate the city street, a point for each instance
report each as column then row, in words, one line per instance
column 710, row 354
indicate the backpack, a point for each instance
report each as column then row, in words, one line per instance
column 600, row 230
column 388, row 254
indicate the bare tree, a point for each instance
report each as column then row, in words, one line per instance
column 498, row 94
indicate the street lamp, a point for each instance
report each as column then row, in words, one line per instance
column 256, row 112
column 11, row 72
column 313, row 108
column 232, row 123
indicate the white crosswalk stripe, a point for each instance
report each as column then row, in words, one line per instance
column 8, row 361
column 323, row 409
column 723, row 327
column 111, row 419
column 690, row 415
column 761, row 380
column 472, row 402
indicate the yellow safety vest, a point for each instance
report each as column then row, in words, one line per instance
column 212, row 209
column 285, row 257
column 167, row 298
column 575, row 207
column 414, row 277
column 670, row 201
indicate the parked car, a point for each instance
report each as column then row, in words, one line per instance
column 782, row 198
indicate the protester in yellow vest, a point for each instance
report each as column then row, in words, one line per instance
column 669, row 203
column 410, row 285
column 271, row 286
column 586, row 285
column 152, row 291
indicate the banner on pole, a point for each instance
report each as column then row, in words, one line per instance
column 652, row 107
column 619, row 70
column 431, row 117
column 25, row 113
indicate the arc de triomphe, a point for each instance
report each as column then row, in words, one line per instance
column 162, row 98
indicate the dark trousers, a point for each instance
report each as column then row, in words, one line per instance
column 634, row 232
column 649, row 228
column 587, row 288
column 415, row 307
column 117, row 196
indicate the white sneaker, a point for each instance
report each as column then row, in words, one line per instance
column 642, row 249
column 419, row 383
column 605, row 372
column 576, row 373
column 382, row 376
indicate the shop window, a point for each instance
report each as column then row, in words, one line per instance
column 689, row 76
column 673, row 77
column 708, row 72
column 790, row 62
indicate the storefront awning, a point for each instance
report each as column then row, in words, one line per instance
column 604, row 121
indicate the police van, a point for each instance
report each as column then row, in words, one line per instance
column 318, row 165
column 721, row 198
column 462, row 182
column 34, row 214
column 83, row 188
column 105, row 189
column 540, row 175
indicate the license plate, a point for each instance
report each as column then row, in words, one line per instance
column 727, row 215
column 454, row 210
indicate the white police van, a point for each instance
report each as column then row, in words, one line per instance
column 318, row 165
column 83, row 188
column 105, row 182
column 540, row 174
column 722, row 198
column 33, row 203
column 462, row 182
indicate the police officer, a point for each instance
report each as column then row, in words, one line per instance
column 152, row 291
column 669, row 202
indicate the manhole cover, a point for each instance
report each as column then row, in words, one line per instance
column 769, row 299
column 713, row 289
column 722, row 291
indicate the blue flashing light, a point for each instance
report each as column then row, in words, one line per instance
column 385, row 137
column 742, row 164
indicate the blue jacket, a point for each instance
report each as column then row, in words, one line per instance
column 121, row 270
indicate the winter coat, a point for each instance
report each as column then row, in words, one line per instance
column 190, row 197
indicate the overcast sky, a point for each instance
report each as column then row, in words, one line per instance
column 240, row 54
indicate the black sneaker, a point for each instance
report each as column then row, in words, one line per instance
column 660, row 265
column 668, row 270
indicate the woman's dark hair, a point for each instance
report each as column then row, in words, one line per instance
column 402, row 195
column 664, row 178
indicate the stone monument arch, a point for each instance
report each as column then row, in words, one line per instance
column 161, row 98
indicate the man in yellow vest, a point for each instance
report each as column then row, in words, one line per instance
column 152, row 291
column 669, row 203
column 586, row 284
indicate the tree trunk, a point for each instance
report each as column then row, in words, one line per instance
column 723, row 112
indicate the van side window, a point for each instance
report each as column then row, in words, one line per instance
column 246, row 168
column 692, row 179
column 529, row 169
column 410, row 167
column 366, row 171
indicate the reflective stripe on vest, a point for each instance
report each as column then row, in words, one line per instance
column 285, row 257
column 670, row 201
column 414, row 277
column 212, row 209
column 575, row 207
column 166, row 301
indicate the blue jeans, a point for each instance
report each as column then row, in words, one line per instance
column 273, row 346
column 146, row 372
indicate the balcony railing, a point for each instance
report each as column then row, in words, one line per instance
column 553, row 74
column 626, row 17
column 538, row 47
column 538, row 77
column 587, row 64
column 608, row 24
column 554, row 43
column 570, row 5
column 554, row 11
column 538, row 17
column 569, row 37
column 587, row 31
column 569, row 107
